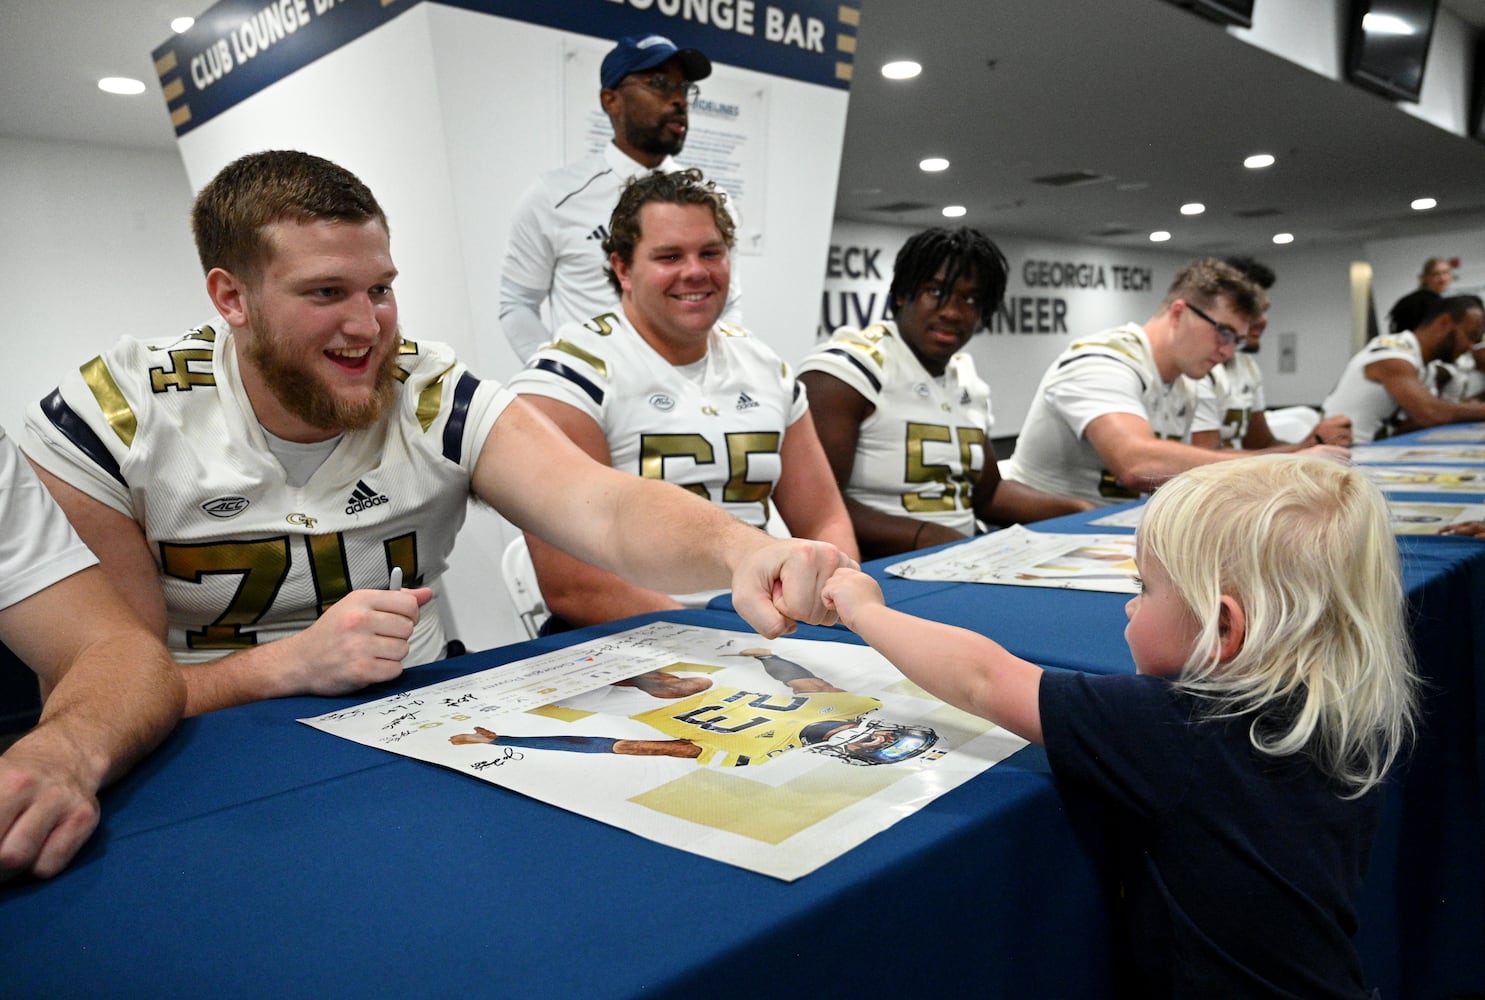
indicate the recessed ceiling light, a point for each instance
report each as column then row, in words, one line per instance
column 1258, row 161
column 1193, row 208
column 1385, row 24
column 904, row 69
column 182, row 24
column 1282, row 238
column 954, row 211
column 1159, row 236
column 1424, row 204
column 120, row 85
column 933, row 164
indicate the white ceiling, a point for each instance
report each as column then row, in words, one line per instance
column 1138, row 90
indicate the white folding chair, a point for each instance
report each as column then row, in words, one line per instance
column 1292, row 424
column 520, row 580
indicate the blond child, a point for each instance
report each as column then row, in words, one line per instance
column 1236, row 772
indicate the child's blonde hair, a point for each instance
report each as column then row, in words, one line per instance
column 1305, row 547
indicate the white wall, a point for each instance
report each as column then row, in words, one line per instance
column 97, row 245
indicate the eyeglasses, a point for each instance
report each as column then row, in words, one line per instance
column 667, row 88
column 1226, row 335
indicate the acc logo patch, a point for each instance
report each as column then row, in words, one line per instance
column 225, row 506
column 662, row 402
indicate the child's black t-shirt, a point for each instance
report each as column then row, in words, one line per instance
column 1238, row 872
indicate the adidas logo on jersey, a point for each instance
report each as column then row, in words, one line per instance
column 363, row 497
column 600, row 234
column 964, row 398
column 746, row 402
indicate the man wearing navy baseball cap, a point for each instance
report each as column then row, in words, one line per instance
column 555, row 253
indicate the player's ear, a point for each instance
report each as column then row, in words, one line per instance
column 227, row 295
column 620, row 269
column 1232, row 628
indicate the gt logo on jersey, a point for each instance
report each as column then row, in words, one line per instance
column 225, row 506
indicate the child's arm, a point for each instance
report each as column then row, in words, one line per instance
column 961, row 667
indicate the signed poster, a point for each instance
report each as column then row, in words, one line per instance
column 1023, row 558
column 776, row 756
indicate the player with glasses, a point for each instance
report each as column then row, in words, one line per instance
column 1226, row 335
column 1115, row 414
column 555, row 254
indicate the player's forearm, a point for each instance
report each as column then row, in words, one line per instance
column 1017, row 503
column 880, row 534
column 240, row 678
column 1152, row 463
column 668, row 539
column 105, row 734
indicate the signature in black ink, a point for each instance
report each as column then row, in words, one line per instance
column 507, row 754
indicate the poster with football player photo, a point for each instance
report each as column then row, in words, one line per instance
column 775, row 756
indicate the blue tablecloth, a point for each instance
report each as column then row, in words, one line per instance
column 254, row 856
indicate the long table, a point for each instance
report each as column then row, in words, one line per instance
column 255, row 856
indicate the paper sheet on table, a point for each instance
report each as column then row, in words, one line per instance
column 1474, row 433
column 1426, row 478
column 1433, row 454
column 704, row 748
column 1020, row 557
column 1407, row 518
column 1129, row 517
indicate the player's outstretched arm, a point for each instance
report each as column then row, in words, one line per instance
column 112, row 694
column 963, row 668
column 652, row 533
column 575, row 591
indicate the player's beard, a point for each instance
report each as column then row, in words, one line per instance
column 304, row 394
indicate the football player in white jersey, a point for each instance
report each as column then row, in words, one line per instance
column 1234, row 391
column 1112, row 414
column 253, row 488
column 902, row 413
column 1383, row 388
column 660, row 389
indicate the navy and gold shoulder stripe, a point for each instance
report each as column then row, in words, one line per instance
column 66, row 420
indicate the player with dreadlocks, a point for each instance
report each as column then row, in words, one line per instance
column 904, row 417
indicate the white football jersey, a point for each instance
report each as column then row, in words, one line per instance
column 163, row 432
column 39, row 546
column 1373, row 411
column 714, row 428
column 1110, row 372
column 921, row 451
column 1238, row 390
